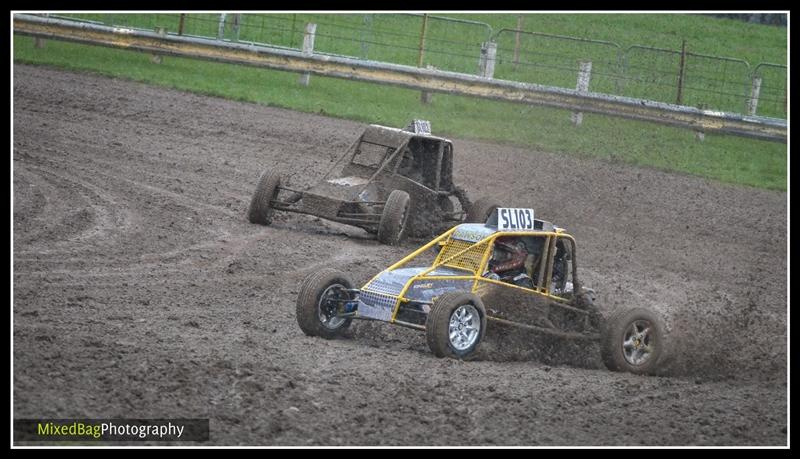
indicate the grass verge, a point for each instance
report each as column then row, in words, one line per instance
column 724, row 158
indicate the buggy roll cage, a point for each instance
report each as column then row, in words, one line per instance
column 480, row 257
column 439, row 184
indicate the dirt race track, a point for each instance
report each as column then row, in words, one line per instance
column 142, row 291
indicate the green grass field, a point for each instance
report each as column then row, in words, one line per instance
column 725, row 158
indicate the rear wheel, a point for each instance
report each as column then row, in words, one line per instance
column 260, row 210
column 445, row 205
column 318, row 301
column 394, row 217
column 481, row 209
column 455, row 325
column 633, row 341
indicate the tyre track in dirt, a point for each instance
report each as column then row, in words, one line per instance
column 152, row 296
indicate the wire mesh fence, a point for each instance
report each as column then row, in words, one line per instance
column 366, row 36
column 651, row 73
column 554, row 60
column 409, row 39
column 283, row 30
column 455, row 44
column 769, row 80
column 716, row 82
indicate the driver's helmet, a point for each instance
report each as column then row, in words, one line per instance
column 509, row 254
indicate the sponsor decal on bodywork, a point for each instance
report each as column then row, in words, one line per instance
column 428, row 290
column 472, row 232
column 378, row 299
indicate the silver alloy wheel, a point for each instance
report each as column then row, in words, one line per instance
column 638, row 342
column 465, row 327
column 327, row 317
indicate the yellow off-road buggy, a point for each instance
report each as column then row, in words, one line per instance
column 514, row 269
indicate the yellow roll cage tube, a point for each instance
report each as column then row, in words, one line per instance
column 446, row 258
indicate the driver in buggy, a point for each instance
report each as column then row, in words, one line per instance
column 515, row 260
column 409, row 165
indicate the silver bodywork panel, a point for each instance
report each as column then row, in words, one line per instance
column 378, row 298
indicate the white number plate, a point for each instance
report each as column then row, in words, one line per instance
column 514, row 219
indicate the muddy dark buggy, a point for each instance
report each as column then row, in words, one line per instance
column 391, row 182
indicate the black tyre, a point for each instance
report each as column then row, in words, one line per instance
column 445, row 205
column 455, row 325
column 260, row 210
column 632, row 340
column 316, row 303
column 394, row 217
column 481, row 209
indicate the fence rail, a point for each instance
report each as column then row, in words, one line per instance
column 460, row 45
column 410, row 76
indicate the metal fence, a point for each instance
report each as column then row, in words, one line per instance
column 411, row 39
column 650, row 72
column 673, row 76
column 158, row 43
column 720, row 83
column 686, row 78
column 769, row 80
column 554, row 60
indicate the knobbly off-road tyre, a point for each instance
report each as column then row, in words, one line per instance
column 394, row 218
column 260, row 210
column 624, row 346
column 481, row 209
column 309, row 303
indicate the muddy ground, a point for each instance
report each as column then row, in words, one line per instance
column 141, row 290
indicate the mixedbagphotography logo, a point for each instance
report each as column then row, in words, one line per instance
column 111, row 430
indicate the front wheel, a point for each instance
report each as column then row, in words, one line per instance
column 260, row 210
column 633, row 341
column 455, row 325
column 318, row 303
column 394, row 217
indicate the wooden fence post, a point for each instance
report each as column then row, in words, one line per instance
column 422, row 34
column 516, row 41
column 156, row 58
column 487, row 59
column 38, row 43
column 291, row 36
column 700, row 135
column 584, row 76
column 425, row 96
column 221, row 28
column 308, row 49
column 237, row 21
column 681, row 74
column 755, row 91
